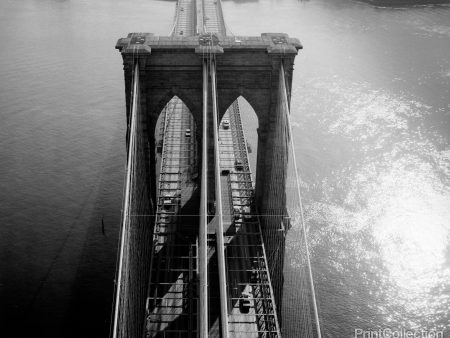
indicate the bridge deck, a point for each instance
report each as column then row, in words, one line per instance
column 184, row 18
column 172, row 300
column 245, row 257
column 172, row 303
column 207, row 14
column 213, row 18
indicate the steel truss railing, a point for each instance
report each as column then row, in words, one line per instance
column 247, row 233
column 171, row 292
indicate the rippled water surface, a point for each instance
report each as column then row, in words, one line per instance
column 371, row 114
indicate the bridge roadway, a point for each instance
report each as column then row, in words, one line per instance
column 247, row 266
column 174, row 307
column 193, row 17
column 171, row 298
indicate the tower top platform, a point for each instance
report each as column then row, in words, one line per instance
column 145, row 43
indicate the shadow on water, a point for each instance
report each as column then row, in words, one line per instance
column 89, row 313
column 76, row 295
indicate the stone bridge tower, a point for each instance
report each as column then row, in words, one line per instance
column 246, row 66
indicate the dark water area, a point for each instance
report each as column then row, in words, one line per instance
column 371, row 114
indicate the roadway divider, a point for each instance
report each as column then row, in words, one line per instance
column 219, row 213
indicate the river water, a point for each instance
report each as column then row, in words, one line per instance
column 371, row 114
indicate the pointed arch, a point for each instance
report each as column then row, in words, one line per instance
column 249, row 122
column 164, row 98
column 258, row 99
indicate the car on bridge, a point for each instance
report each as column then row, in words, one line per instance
column 159, row 146
column 237, row 213
column 168, row 202
column 245, row 302
column 226, row 124
column 247, row 213
column 254, row 276
column 188, row 133
column 238, row 165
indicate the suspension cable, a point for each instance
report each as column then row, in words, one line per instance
column 219, row 213
column 131, row 140
column 203, row 260
column 291, row 138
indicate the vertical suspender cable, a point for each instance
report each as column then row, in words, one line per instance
column 310, row 275
column 219, row 214
column 203, row 256
column 126, row 206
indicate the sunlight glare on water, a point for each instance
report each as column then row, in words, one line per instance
column 412, row 233
column 384, row 212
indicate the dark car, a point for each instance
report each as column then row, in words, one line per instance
column 238, row 165
column 244, row 302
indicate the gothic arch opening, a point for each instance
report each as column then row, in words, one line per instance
column 176, row 222
column 240, row 112
column 176, row 159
